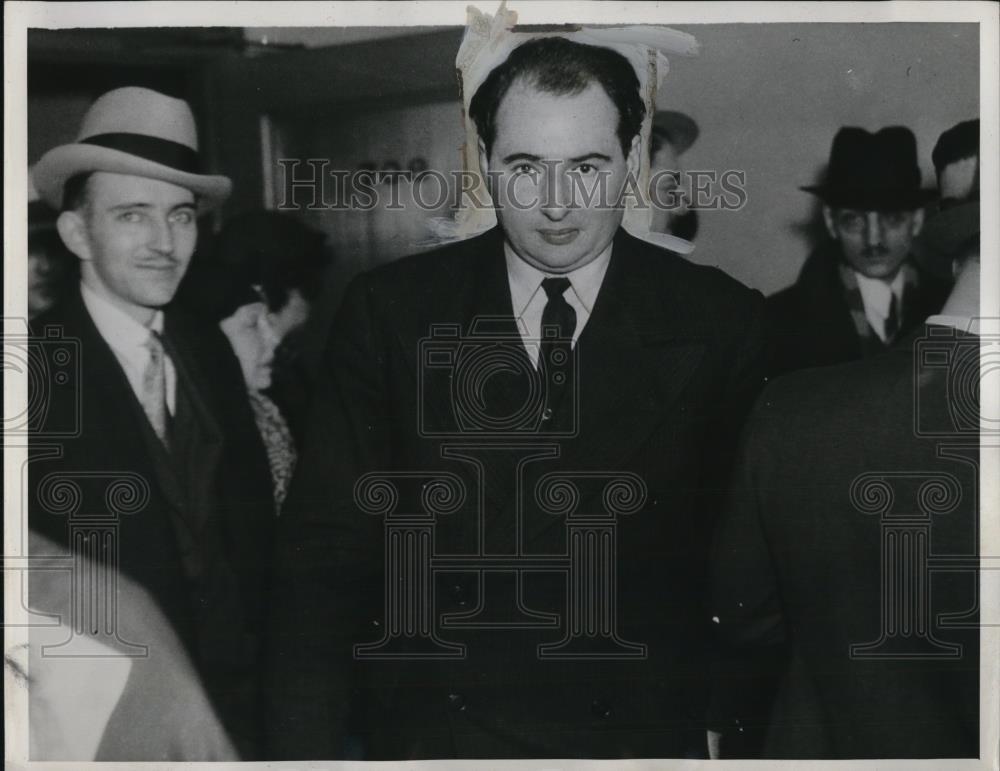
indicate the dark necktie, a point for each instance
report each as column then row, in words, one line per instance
column 892, row 320
column 558, row 326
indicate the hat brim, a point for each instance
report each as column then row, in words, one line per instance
column 945, row 233
column 870, row 200
column 61, row 163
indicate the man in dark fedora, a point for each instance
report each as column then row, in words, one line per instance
column 153, row 433
column 670, row 136
column 849, row 548
column 862, row 288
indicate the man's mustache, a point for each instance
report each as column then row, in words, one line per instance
column 871, row 252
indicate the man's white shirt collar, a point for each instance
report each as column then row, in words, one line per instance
column 528, row 299
column 127, row 339
column 118, row 329
column 876, row 296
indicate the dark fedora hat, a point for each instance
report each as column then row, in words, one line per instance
column 872, row 172
column 678, row 129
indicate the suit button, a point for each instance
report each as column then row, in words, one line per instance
column 600, row 709
column 458, row 594
column 547, row 413
column 456, row 702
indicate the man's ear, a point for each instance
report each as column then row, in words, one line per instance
column 73, row 231
column 828, row 221
column 484, row 164
column 918, row 222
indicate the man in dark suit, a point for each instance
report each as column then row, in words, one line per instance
column 149, row 457
column 848, row 552
column 496, row 542
column 861, row 289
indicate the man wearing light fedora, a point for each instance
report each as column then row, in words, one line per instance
column 159, row 400
column 854, row 561
column 861, row 289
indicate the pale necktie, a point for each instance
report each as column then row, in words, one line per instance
column 154, row 388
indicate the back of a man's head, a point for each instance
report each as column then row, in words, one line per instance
column 560, row 66
column 956, row 162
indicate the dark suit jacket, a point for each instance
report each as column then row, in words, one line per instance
column 201, row 543
column 809, row 323
column 668, row 363
column 802, row 547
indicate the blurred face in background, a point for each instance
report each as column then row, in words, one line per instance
column 665, row 193
column 49, row 271
column 875, row 244
column 255, row 333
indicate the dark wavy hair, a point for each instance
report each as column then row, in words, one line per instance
column 560, row 66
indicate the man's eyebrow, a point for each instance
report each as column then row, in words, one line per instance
column 521, row 157
column 132, row 205
column 591, row 156
column 142, row 205
column 578, row 159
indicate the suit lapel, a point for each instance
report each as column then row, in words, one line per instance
column 477, row 306
column 832, row 327
column 192, row 376
column 635, row 357
column 207, row 443
column 113, row 406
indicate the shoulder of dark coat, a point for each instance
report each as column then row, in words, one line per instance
column 669, row 269
column 435, row 266
column 817, row 277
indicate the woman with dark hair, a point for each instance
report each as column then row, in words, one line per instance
column 269, row 272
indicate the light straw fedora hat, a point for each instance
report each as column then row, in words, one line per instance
column 133, row 131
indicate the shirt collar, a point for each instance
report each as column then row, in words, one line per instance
column 526, row 280
column 876, row 294
column 120, row 330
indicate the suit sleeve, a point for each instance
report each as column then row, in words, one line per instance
column 327, row 564
column 740, row 368
column 744, row 601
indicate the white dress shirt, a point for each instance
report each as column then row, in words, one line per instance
column 529, row 299
column 127, row 339
column 876, row 296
